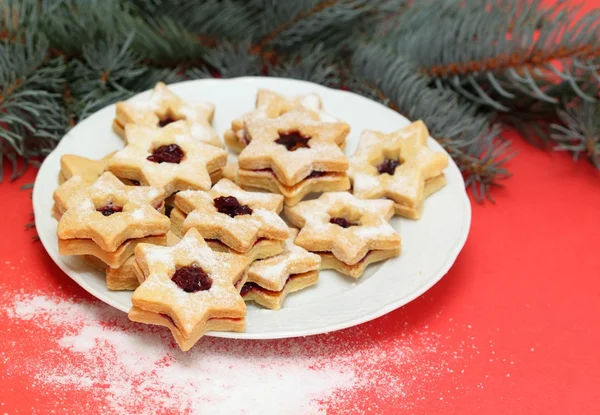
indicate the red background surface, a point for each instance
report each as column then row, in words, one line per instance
column 525, row 289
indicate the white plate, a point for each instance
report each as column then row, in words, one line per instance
column 429, row 246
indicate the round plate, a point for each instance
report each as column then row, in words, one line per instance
column 429, row 245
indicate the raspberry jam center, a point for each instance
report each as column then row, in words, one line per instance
column 229, row 205
column 166, row 121
column 293, row 140
column 109, row 209
column 388, row 166
column 192, row 279
column 316, row 173
column 343, row 222
column 170, row 153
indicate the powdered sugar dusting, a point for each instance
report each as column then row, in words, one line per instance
column 128, row 368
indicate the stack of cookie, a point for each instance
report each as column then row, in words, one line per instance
column 222, row 244
column 104, row 221
column 270, row 104
column 294, row 155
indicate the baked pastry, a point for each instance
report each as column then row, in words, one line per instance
column 110, row 213
column 293, row 146
column 348, row 233
column 262, row 248
column 189, row 288
column 167, row 158
column 270, row 104
column 398, row 166
column 270, row 280
column 164, row 107
column 76, row 173
column 233, row 216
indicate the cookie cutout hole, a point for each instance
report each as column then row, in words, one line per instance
column 170, row 153
column 167, row 120
column 344, row 217
column 109, row 209
column 230, row 206
column 293, row 140
column 191, row 279
column 389, row 162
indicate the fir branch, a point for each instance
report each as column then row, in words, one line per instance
column 579, row 132
column 501, row 50
column 309, row 64
column 30, row 100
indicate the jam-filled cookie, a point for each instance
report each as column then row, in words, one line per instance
column 164, row 107
column 348, row 233
column 190, row 289
column 398, row 166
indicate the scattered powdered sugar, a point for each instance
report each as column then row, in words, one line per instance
column 114, row 366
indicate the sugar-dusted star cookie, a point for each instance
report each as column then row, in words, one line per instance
column 293, row 146
column 168, row 158
column 399, row 166
column 189, row 288
column 348, row 228
column 270, row 104
column 262, row 248
column 110, row 213
column 235, row 217
column 270, row 280
column 88, row 169
column 164, row 107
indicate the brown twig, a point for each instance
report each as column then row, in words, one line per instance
column 10, row 89
column 500, row 63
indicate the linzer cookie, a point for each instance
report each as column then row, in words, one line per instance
column 110, row 213
column 398, row 166
column 235, row 217
column 262, row 248
column 270, row 280
column 348, row 233
column 269, row 104
column 293, row 146
column 167, row 158
column 76, row 173
column 190, row 289
column 164, row 107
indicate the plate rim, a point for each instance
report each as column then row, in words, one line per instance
column 451, row 255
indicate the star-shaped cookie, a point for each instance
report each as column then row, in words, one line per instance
column 270, row 104
column 76, row 172
column 347, row 227
column 293, row 146
column 272, row 273
column 167, row 158
column 187, row 285
column 109, row 213
column 398, row 166
column 88, row 169
column 236, row 217
column 164, row 107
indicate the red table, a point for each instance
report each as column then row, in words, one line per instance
column 510, row 329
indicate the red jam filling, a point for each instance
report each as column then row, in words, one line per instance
column 249, row 286
column 230, row 206
column 135, row 182
column 343, row 222
column 192, row 279
column 166, row 121
column 316, row 174
column 109, row 209
column 171, row 153
column 245, row 139
column 388, row 166
column 293, row 140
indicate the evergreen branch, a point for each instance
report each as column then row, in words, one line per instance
column 502, row 50
column 30, row 102
column 579, row 132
